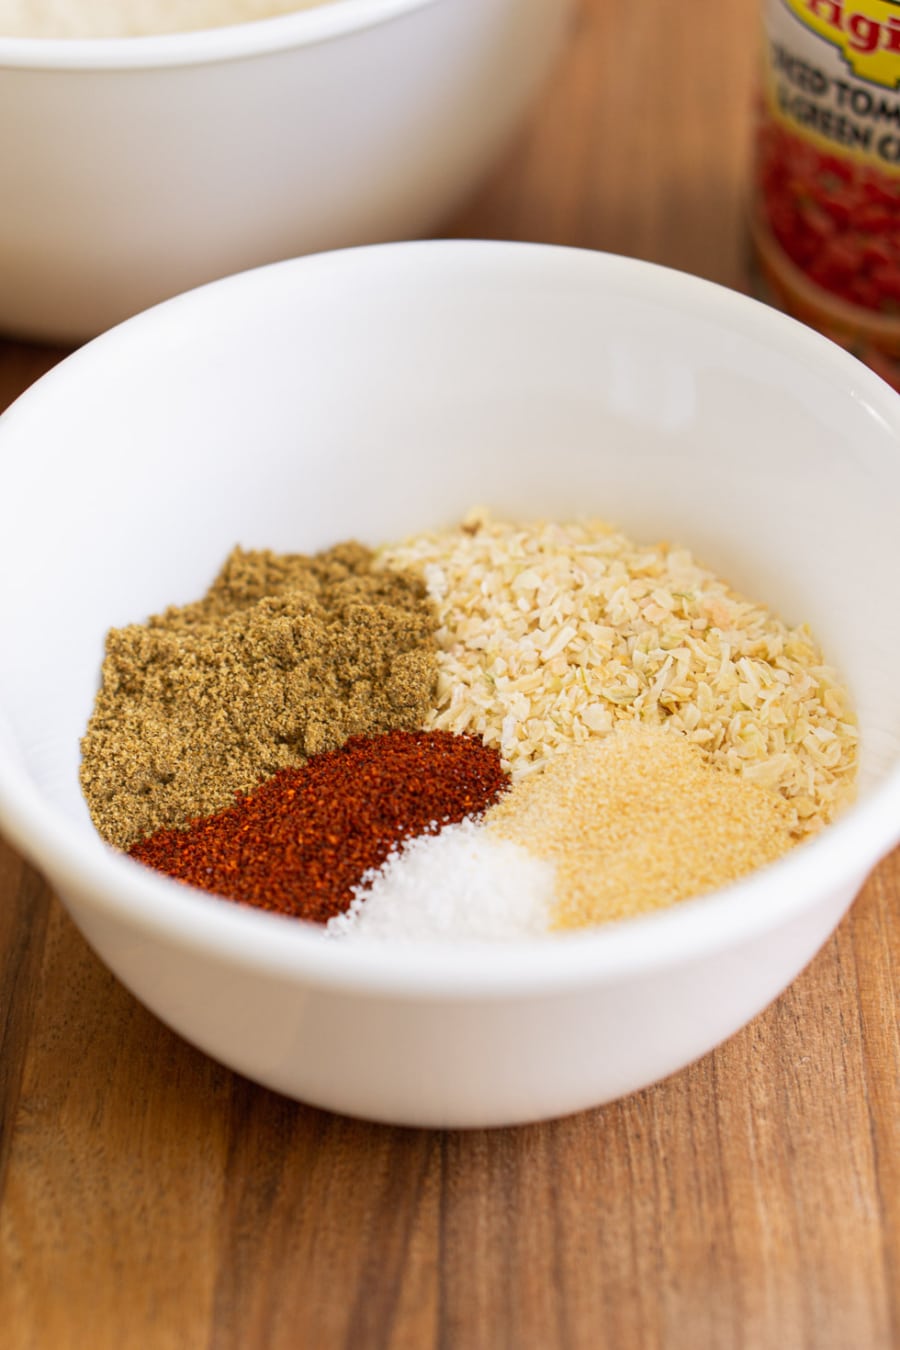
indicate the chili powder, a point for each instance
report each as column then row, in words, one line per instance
column 300, row 842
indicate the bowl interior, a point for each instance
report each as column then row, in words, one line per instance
column 376, row 391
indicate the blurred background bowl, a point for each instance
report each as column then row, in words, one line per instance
column 135, row 168
column 374, row 392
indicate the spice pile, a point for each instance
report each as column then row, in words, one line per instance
column 549, row 634
column 301, row 841
column 638, row 820
column 483, row 733
column 285, row 656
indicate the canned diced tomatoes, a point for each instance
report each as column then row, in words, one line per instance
column 826, row 199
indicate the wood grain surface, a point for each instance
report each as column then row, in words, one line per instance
column 151, row 1198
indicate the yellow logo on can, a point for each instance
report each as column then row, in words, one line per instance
column 867, row 32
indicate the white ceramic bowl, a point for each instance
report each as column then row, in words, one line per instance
column 369, row 393
column 134, row 168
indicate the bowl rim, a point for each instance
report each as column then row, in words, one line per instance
column 205, row 46
column 834, row 862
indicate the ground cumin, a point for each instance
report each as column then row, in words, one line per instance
column 285, row 656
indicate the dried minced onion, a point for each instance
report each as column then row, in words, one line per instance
column 550, row 634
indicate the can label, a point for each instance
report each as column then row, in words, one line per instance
column 826, row 205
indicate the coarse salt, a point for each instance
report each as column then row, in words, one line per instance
column 460, row 885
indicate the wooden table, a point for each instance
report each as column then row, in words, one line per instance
column 154, row 1199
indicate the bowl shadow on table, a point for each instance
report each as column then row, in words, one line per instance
column 21, row 363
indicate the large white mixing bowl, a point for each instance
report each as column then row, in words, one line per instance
column 133, row 168
column 370, row 393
